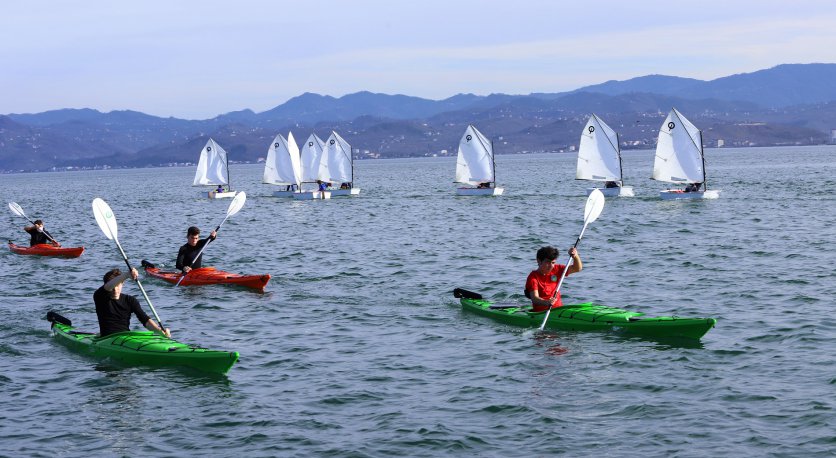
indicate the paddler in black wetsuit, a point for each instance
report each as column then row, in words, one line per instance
column 186, row 256
column 38, row 235
column 114, row 309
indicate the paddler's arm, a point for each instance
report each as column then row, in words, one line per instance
column 181, row 260
column 152, row 325
column 537, row 300
column 53, row 241
column 116, row 281
column 577, row 265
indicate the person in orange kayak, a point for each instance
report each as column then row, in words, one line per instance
column 186, row 256
column 541, row 284
column 114, row 309
column 38, row 235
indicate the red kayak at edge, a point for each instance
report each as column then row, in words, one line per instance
column 210, row 276
column 47, row 249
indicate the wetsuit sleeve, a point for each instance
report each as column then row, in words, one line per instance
column 181, row 258
column 137, row 310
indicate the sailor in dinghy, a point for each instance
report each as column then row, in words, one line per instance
column 475, row 165
column 213, row 170
column 338, row 153
column 680, row 159
column 283, row 166
column 599, row 159
column 314, row 169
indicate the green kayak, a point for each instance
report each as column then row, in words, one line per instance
column 588, row 317
column 143, row 348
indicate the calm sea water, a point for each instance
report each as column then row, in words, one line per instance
column 358, row 348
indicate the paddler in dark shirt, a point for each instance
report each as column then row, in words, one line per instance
column 186, row 256
column 114, row 309
column 38, row 235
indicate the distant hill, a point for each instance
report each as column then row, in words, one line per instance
column 784, row 105
column 780, row 86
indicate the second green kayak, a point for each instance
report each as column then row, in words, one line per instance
column 588, row 317
column 144, row 348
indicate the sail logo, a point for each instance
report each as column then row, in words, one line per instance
column 671, row 125
column 591, row 129
column 276, row 145
column 332, row 141
column 469, row 137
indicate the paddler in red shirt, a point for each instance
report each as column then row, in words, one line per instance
column 541, row 284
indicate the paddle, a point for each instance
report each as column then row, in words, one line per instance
column 234, row 207
column 594, row 205
column 107, row 223
column 15, row 208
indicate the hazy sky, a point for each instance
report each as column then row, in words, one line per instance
column 196, row 59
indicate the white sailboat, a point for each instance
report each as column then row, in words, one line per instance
column 283, row 166
column 314, row 170
column 680, row 159
column 599, row 159
column 213, row 170
column 337, row 153
column 475, row 165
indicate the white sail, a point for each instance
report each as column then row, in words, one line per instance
column 474, row 163
column 313, row 167
column 337, row 153
column 283, row 165
column 678, row 151
column 599, row 158
column 212, row 168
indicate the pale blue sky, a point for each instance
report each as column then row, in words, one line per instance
column 197, row 59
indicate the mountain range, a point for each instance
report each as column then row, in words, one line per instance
column 792, row 104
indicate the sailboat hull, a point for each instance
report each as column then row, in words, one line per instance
column 218, row 195
column 345, row 192
column 312, row 195
column 624, row 191
column 677, row 194
column 479, row 191
column 284, row 193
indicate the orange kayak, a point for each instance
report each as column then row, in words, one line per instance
column 47, row 249
column 209, row 276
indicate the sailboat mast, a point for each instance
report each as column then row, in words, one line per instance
column 228, row 183
column 702, row 156
column 493, row 162
column 618, row 151
column 351, row 157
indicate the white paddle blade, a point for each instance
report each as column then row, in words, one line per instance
column 15, row 208
column 594, row 205
column 236, row 204
column 105, row 218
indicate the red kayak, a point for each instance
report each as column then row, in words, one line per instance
column 209, row 276
column 47, row 249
